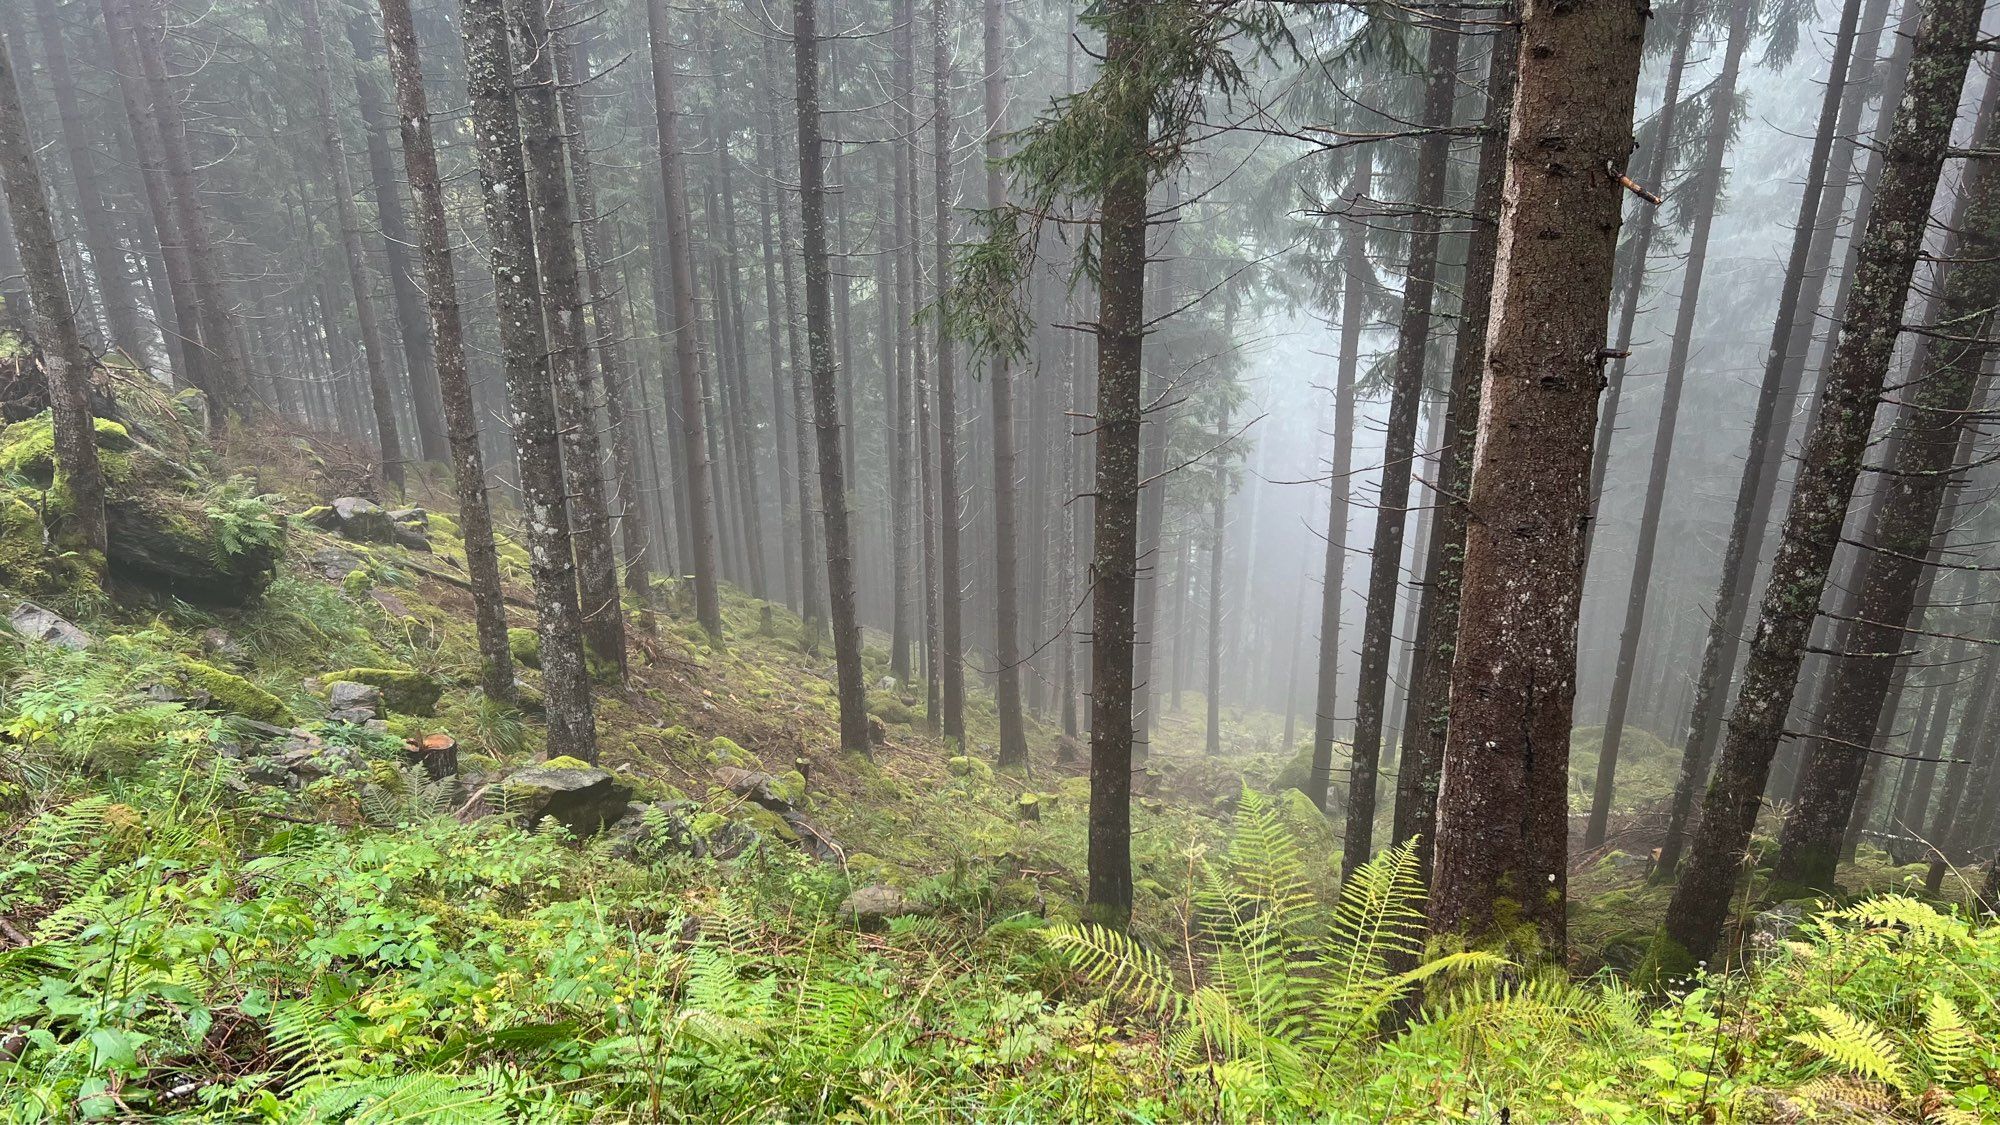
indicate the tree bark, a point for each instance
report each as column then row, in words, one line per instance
column 1825, row 485
column 1502, row 843
column 826, row 403
column 1706, row 184
column 1760, row 470
column 79, row 479
column 607, row 319
column 1429, row 707
column 700, row 510
column 517, row 284
column 331, row 151
column 1354, row 279
column 1385, row 566
column 1007, row 607
column 1917, row 479
column 951, row 638
column 475, row 518
column 100, row 235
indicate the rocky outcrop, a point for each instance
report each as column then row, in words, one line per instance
column 38, row 624
column 576, row 795
column 402, row 691
column 871, row 907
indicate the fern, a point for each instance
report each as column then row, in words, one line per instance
column 1856, row 1045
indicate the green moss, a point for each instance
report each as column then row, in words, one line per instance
column 565, row 762
column 526, row 646
column 412, row 693
column 889, row 709
column 767, row 823
column 357, row 583
column 790, row 786
column 1666, row 961
column 28, row 449
column 231, row 692
column 724, row 752
column 962, row 766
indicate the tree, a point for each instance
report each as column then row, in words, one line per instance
column 1007, row 613
column 1759, row 479
column 531, row 410
column 1502, row 835
column 826, row 402
column 951, row 638
column 1385, row 567
column 1913, row 156
column 1704, row 185
column 79, row 479
column 1436, row 639
column 542, row 135
column 314, row 43
column 475, row 518
column 1918, row 475
column 700, row 510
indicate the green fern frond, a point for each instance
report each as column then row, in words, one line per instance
column 1117, row 963
column 1948, row 1042
column 1856, row 1045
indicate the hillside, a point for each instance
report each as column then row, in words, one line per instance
column 241, row 881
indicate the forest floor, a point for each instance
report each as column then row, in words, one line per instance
column 205, row 917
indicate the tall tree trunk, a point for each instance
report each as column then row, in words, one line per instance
column 475, row 519
column 1705, row 182
column 1353, row 302
column 789, row 460
column 1218, row 549
column 1760, row 470
column 951, row 637
column 1825, row 484
column 1121, row 327
column 1385, row 565
column 1917, row 479
column 433, row 442
column 607, row 319
column 577, row 403
column 222, row 360
column 79, row 479
column 1007, row 607
column 1429, row 707
column 700, row 510
column 531, row 409
column 100, row 235
column 387, row 441
column 729, row 306
column 1502, row 838
column 826, row 402
column 902, row 208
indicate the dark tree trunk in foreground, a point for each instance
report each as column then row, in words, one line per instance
column 79, row 480
column 1502, row 844
column 475, row 519
column 1121, row 326
column 1444, row 558
column 1760, row 475
column 1007, row 606
column 1385, row 564
column 107, row 257
column 951, row 653
column 349, row 217
column 1825, row 485
column 607, row 319
column 531, row 408
column 542, row 132
column 700, row 510
column 1917, row 478
column 825, row 392
column 1705, row 182
column 1353, row 302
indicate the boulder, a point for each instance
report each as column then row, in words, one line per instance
column 348, row 695
column 362, row 520
column 171, row 542
column 218, row 642
column 36, row 623
column 580, row 797
column 334, row 563
column 209, row 688
column 403, row 691
column 649, row 831
column 871, row 907
column 752, row 785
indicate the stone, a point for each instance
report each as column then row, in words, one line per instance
column 390, row 603
column 36, row 623
column 364, row 521
column 580, row 797
column 218, row 642
column 403, row 691
column 411, row 538
column 754, row 786
column 412, row 517
column 649, row 831
column 871, row 907
column 348, row 695
column 334, row 563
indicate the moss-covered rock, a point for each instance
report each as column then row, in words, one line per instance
column 412, row 693
column 28, row 449
column 526, row 647
column 963, row 766
column 227, row 691
column 724, row 752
